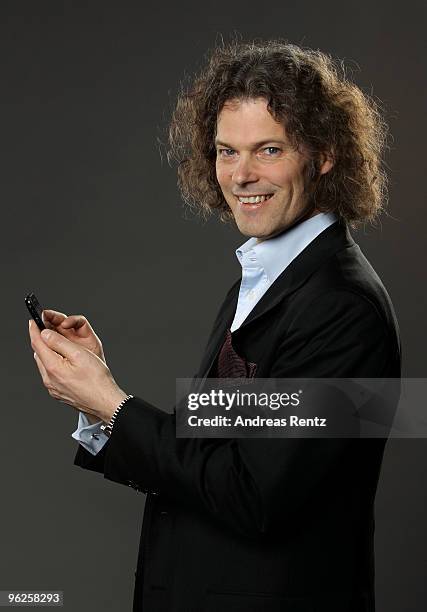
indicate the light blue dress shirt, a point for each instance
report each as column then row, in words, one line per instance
column 262, row 263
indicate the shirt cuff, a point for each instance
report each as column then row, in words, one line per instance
column 89, row 435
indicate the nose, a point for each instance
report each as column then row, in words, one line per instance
column 244, row 171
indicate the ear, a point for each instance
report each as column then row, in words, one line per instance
column 326, row 163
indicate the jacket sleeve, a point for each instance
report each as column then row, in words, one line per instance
column 248, row 483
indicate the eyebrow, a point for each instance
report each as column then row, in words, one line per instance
column 255, row 145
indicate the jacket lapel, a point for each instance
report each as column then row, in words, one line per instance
column 333, row 239
column 325, row 245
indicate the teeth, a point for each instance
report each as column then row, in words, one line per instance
column 254, row 199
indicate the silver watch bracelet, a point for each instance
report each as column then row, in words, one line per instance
column 107, row 428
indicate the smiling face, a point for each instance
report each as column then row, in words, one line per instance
column 261, row 176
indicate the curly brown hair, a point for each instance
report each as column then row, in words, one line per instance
column 319, row 107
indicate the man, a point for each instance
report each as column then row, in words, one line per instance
column 272, row 136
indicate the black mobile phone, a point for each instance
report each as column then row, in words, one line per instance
column 35, row 309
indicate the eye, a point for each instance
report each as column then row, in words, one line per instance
column 225, row 152
column 272, row 151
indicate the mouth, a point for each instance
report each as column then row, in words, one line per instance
column 248, row 203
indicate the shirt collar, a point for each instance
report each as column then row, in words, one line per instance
column 275, row 255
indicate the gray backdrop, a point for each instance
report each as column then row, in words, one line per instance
column 93, row 223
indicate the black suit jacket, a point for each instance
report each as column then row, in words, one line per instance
column 267, row 525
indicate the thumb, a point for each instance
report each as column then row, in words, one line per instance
column 59, row 344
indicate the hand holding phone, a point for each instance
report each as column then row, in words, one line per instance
column 74, row 327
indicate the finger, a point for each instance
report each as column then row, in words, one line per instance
column 33, row 330
column 53, row 317
column 48, row 355
column 79, row 324
column 40, row 349
column 59, row 322
column 75, row 321
column 42, row 369
column 51, row 344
